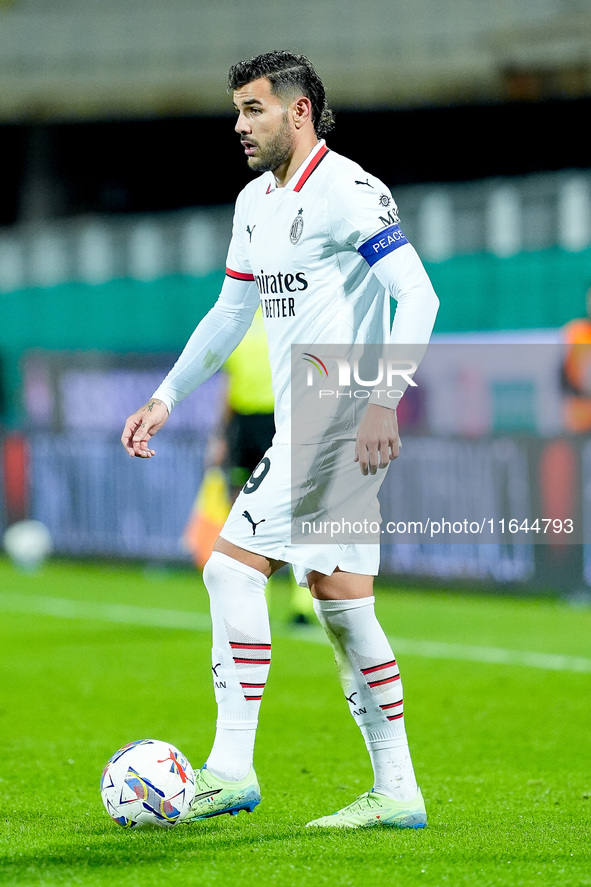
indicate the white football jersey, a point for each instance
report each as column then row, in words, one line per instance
column 310, row 247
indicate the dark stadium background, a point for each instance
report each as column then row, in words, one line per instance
column 151, row 165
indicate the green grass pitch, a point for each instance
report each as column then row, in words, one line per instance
column 94, row 656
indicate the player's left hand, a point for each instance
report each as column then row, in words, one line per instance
column 378, row 442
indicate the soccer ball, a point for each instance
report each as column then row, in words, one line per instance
column 27, row 543
column 148, row 782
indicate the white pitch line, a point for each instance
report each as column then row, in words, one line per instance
column 492, row 655
column 63, row 608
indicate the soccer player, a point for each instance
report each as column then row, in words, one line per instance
column 317, row 243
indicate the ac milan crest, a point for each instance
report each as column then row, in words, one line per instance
column 297, row 226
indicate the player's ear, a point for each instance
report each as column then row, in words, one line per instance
column 301, row 111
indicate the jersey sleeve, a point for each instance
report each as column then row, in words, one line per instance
column 237, row 262
column 212, row 342
column 364, row 217
column 368, row 222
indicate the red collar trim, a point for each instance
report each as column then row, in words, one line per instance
column 318, row 158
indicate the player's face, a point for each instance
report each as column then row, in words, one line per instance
column 263, row 126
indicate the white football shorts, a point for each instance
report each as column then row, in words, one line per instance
column 307, row 493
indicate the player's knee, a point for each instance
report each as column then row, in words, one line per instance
column 209, row 573
column 223, row 573
column 217, row 572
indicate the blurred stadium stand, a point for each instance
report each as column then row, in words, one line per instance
column 73, row 58
column 119, row 172
column 502, row 217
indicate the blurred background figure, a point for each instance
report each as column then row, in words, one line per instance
column 236, row 447
column 576, row 372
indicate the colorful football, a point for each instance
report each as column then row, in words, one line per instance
column 147, row 782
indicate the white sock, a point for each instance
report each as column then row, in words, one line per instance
column 241, row 653
column 371, row 680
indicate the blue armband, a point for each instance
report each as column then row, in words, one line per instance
column 381, row 244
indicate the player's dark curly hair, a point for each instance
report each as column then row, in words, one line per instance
column 287, row 73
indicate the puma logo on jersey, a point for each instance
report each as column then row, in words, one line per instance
column 367, row 182
column 253, row 523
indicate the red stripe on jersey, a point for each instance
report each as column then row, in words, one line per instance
column 391, row 705
column 384, row 681
column 378, row 667
column 240, row 661
column 239, row 275
column 311, row 167
column 394, row 717
column 252, row 686
column 236, row 646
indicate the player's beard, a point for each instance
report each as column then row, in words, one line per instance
column 277, row 150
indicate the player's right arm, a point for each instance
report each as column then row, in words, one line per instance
column 364, row 217
column 214, row 339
